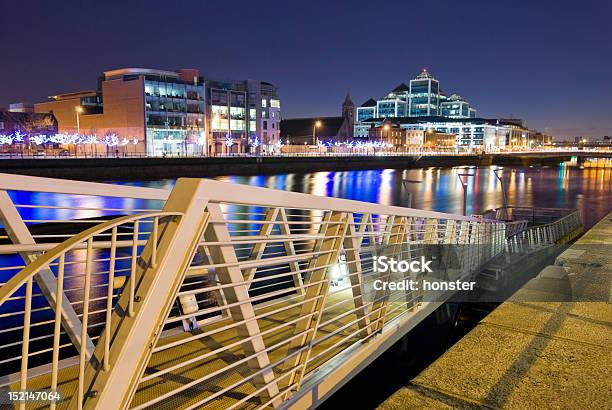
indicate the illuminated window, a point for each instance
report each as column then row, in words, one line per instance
column 237, row 125
column 237, row 113
column 252, row 113
column 274, row 103
column 219, row 118
column 264, row 102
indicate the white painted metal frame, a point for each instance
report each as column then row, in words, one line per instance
column 272, row 328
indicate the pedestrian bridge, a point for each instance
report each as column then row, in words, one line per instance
column 214, row 295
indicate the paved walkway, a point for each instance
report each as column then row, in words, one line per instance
column 532, row 353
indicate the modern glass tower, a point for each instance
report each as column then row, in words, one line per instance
column 424, row 99
column 174, row 110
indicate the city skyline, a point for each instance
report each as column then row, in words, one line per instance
column 529, row 61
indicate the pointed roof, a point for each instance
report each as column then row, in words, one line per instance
column 456, row 97
column 347, row 99
column 369, row 103
column 400, row 88
column 424, row 75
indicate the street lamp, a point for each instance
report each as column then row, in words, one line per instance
column 314, row 131
column 405, row 182
column 499, row 177
column 78, row 110
column 464, row 185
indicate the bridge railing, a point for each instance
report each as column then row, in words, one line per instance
column 563, row 229
column 532, row 215
column 210, row 293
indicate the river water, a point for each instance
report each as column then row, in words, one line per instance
column 566, row 186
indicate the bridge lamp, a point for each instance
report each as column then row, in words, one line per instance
column 405, row 182
column 463, row 180
column 497, row 172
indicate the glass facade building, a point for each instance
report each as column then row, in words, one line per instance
column 424, row 97
column 471, row 133
column 456, row 107
column 244, row 116
column 172, row 113
column 175, row 113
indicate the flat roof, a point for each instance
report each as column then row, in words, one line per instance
column 133, row 70
column 75, row 94
column 437, row 118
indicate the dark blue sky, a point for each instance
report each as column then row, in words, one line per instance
column 549, row 62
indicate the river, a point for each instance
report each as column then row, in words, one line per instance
column 566, row 186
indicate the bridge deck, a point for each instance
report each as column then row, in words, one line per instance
column 338, row 340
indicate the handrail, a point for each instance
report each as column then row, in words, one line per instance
column 11, row 182
column 43, row 261
column 220, row 192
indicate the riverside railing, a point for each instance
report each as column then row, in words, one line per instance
column 208, row 295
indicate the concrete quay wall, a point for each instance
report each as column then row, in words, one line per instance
column 549, row 346
column 100, row 169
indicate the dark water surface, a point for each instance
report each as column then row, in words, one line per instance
column 589, row 189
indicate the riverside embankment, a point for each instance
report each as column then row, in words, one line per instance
column 549, row 346
column 97, row 169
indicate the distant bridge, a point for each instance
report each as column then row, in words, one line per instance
column 215, row 295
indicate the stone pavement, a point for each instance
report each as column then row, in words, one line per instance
column 549, row 346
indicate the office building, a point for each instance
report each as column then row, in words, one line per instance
column 456, row 107
column 470, row 133
column 177, row 113
column 244, row 116
column 423, row 97
column 162, row 111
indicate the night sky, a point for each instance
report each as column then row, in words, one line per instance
column 548, row 62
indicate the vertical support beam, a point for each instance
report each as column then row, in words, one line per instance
column 18, row 233
column 259, row 247
column 431, row 232
column 352, row 244
column 334, row 231
column 463, row 241
column 449, row 241
column 450, row 233
column 238, row 295
column 406, row 244
column 290, row 251
column 325, row 221
column 133, row 337
column 393, row 241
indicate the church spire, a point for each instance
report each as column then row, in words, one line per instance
column 347, row 99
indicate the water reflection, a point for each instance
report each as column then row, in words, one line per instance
column 589, row 189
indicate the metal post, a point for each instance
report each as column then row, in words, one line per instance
column 503, row 189
column 464, row 185
column 405, row 182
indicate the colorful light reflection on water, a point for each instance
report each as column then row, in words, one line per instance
column 589, row 189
